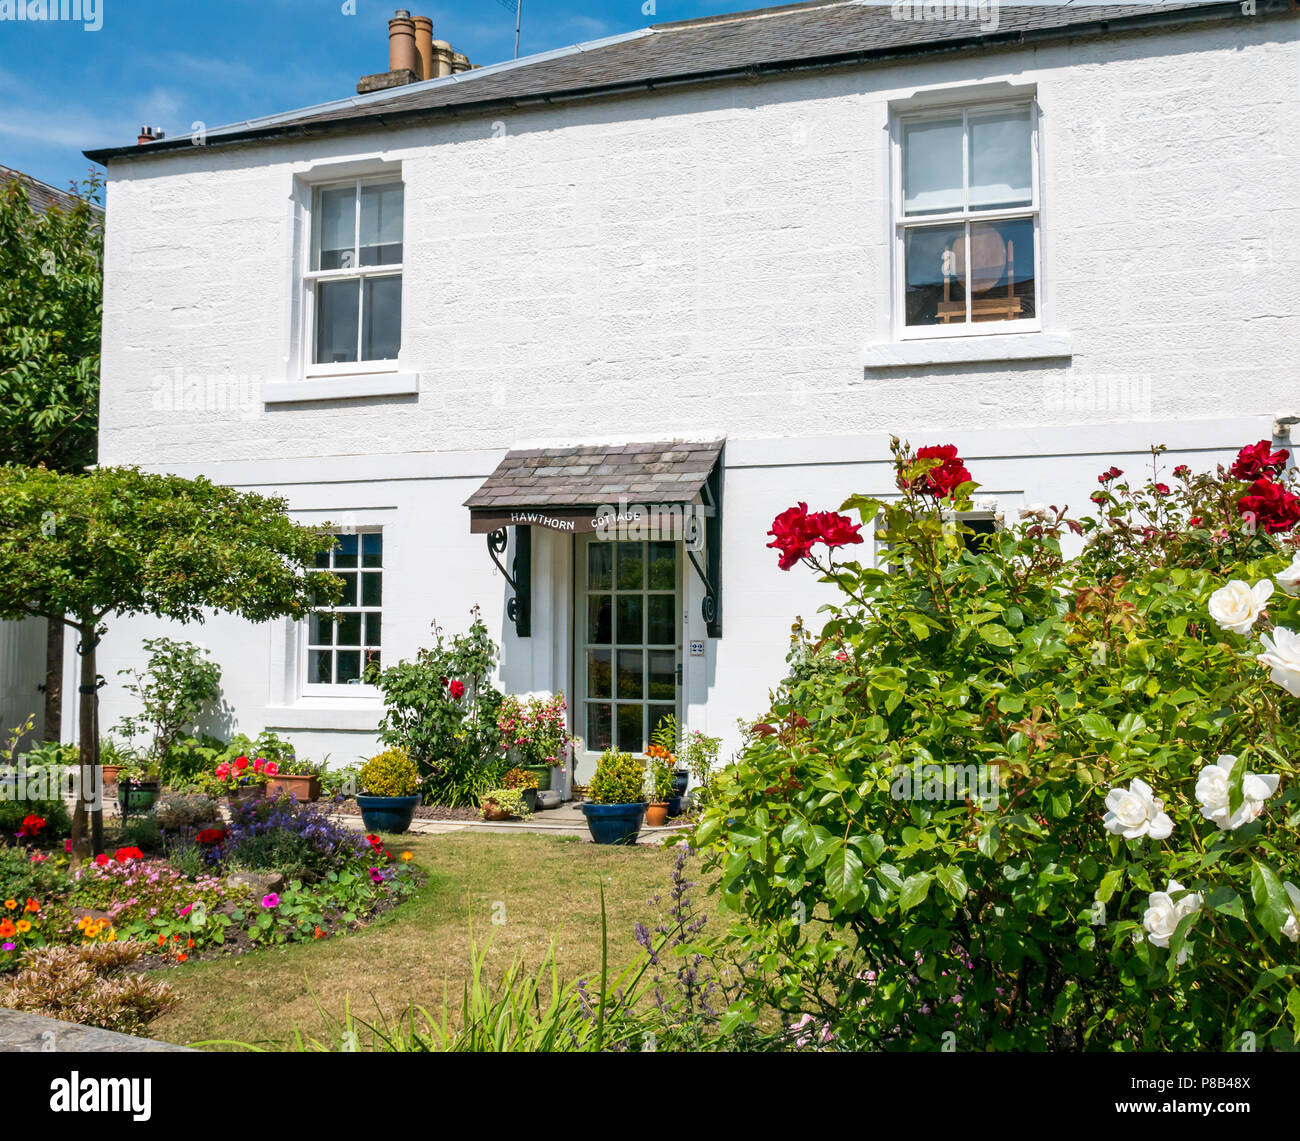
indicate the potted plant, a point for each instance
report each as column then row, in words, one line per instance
column 242, row 778
column 137, row 787
column 503, row 803
column 302, row 780
column 534, row 733
column 616, row 802
column 388, row 796
column 658, row 785
column 112, row 760
column 525, row 780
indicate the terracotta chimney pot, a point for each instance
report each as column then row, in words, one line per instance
column 424, row 45
column 402, row 55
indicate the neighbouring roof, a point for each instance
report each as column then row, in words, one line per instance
column 672, row 471
column 41, row 195
column 746, row 44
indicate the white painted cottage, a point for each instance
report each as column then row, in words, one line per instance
column 709, row 265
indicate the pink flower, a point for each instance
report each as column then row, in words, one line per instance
column 272, row 769
column 223, row 771
column 270, row 900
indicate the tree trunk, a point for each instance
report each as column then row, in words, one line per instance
column 90, row 787
column 53, row 680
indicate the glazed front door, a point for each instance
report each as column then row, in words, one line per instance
column 628, row 644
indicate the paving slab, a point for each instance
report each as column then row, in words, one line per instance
column 35, row 1034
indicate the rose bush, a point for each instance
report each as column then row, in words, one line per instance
column 1131, row 882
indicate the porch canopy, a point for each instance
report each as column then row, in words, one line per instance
column 662, row 490
column 566, row 488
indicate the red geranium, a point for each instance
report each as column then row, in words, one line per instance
column 101, row 859
column 32, row 824
column 1272, row 507
column 211, row 836
column 943, row 480
column 124, row 854
column 241, row 763
column 456, row 689
column 1258, row 461
column 1110, row 473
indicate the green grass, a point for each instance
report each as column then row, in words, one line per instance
column 546, row 889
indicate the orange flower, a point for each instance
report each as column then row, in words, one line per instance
column 7, row 928
column 407, row 857
column 23, row 926
column 11, row 903
column 175, row 938
column 181, row 956
column 161, row 940
column 32, row 905
column 319, row 933
column 189, row 942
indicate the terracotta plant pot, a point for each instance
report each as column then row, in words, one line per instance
column 492, row 812
column 656, row 814
column 110, row 773
column 305, row 788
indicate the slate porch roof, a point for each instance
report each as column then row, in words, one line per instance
column 671, row 471
column 742, row 45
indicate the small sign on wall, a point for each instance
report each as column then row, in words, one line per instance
column 697, row 649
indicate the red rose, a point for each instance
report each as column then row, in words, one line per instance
column 835, row 530
column 1098, row 497
column 943, row 480
column 241, row 763
column 1181, row 471
column 1258, row 461
column 1162, row 489
column 1110, row 473
column 457, row 690
column 1271, row 506
column 792, row 535
column 1194, row 521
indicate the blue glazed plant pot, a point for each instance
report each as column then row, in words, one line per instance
column 387, row 813
column 614, row 823
column 674, row 806
column 681, row 779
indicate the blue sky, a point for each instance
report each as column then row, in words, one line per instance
column 169, row 63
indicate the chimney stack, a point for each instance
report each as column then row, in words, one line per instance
column 148, row 135
column 413, row 54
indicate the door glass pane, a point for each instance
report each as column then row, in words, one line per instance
column 932, row 167
column 373, row 659
column 381, row 328
column 349, row 666
column 1000, row 171
column 630, row 681
column 598, row 728
column 631, row 733
column 350, row 629
column 321, row 631
column 631, row 567
column 662, row 611
column 599, row 614
column 600, row 566
column 336, row 321
column 629, row 619
column 319, row 663
column 338, row 229
column 663, row 566
column 381, row 224
column 935, row 258
column 657, row 713
column 598, row 673
column 1002, row 270
column 663, row 675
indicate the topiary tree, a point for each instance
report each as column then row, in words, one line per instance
column 1040, row 802
column 120, row 541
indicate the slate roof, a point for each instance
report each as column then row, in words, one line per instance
column 671, row 471
column 40, row 194
column 756, row 43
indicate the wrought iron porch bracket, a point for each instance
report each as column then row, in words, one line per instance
column 711, row 573
column 519, row 577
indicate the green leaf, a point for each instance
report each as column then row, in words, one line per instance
column 997, row 635
column 844, row 876
column 952, row 881
column 1271, row 902
column 915, row 889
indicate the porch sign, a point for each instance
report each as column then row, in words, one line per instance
column 622, row 522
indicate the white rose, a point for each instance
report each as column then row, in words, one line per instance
column 1212, row 793
column 1135, row 812
column 1236, row 606
column 1163, row 915
column 1282, row 656
column 1289, row 579
column 1291, row 928
column 1035, row 511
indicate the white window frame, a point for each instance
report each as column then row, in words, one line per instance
column 903, row 222
column 360, row 689
column 310, row 277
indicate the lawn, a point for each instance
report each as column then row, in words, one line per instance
column 538, row 887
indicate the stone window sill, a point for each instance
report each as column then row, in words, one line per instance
column 351, row 387
column 968, row 350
